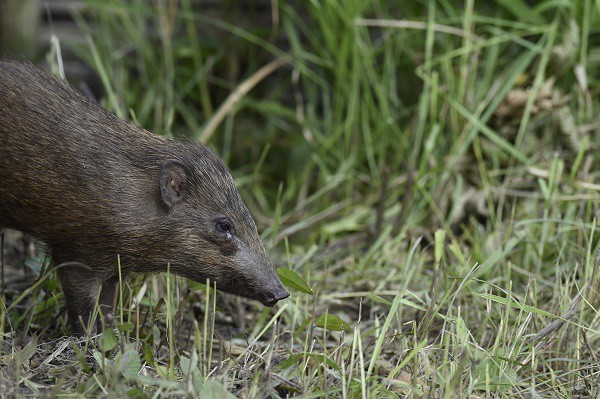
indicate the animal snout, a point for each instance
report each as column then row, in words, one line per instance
column 275, row 296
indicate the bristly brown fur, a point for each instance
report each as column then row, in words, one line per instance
column 89, row 185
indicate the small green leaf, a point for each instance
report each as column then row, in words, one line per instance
column 323, row 359
column 29, row 350
column 295, row 358
column 489, row 373
column 287, row 363
column 293, row 280
column 185, row 364
column 107, row 341
column 377, row 298
column 354, row 221
column 513, row 304
column 522, row 11
column 189, row 365
column 21, row 356
column 332, row 322
column 135, row 393
column 83, row 360
column 129, row 364
column 440, row 236
column 125, row 327
column 148, row 353
column 462, row 331
column 214, row 389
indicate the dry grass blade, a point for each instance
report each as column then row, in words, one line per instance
column 404, row 24
column 237, row 95
column 558, row 323
column 312, row 220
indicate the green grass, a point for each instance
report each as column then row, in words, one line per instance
column 429, row 170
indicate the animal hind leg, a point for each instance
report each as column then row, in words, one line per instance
column 108, row 296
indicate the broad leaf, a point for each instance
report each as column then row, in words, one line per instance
column 293, row 280
column 332, row 322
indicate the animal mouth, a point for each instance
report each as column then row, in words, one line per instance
column 241, row 287
column 272, row 298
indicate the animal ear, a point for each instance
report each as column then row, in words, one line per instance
column 172, row 182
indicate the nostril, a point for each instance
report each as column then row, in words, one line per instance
column 282, row 294
column 273, row 297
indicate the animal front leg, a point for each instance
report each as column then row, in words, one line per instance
column 80, row 287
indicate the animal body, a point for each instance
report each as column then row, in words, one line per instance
column 94, row 188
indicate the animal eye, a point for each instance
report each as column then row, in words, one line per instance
column 224, row 226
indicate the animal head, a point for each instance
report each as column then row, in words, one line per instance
column 214, row 234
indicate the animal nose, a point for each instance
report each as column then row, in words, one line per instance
column 278, row 295
column 275, row 296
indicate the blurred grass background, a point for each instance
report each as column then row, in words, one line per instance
column 430, row 168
